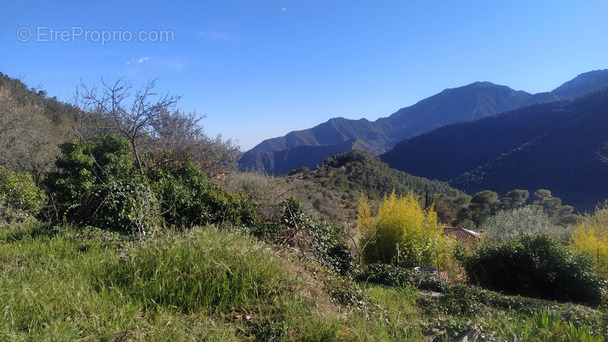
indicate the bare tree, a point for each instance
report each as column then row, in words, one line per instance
column 134, row 120
column 151, row 122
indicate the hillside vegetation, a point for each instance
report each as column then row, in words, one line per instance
column 133, row 234
column 551, row 146
column 356, row 171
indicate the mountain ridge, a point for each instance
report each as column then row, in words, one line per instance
column 553, row 146
column 382, row 134
column 452, row 105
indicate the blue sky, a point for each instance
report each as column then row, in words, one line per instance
column 259, row 69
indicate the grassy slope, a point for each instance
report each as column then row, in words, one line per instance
column 206, row 285
column 71, row 284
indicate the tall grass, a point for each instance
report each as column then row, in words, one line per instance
column 207, row 271
column 70, row 283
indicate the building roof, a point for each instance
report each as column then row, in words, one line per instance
column 461, row 234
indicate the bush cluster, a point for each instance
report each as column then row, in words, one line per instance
column 386, row 274
column 403, row 221
column 187, row 198
column 323, row 241
column 97, row 184
column 536, row 266
column 20, row 198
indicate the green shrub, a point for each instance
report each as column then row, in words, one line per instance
column 397, row 276
column 324, row 242
column 401, row 221
column 507, row 225
column 125, row 206
column 463, row 300
column 97, row 184
column 546, row 326
column 535, row 266
column 590, row 238
column 188, row 199
column 83, row 169
column 20, row 198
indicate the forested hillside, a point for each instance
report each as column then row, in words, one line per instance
column 553, row 146
column 354, row 172
column 31, row 126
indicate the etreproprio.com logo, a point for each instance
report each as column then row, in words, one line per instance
column 77, row 33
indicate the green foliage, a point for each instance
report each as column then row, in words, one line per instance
column 398, row 276
column 514, row 199
column 547, row 326
column 535, row 266
column 559, row 214
column 448, row 207
column 188, row 199
column 460, row 304
column 551, row 205
column 360, row 171
column 354, row 172
column 126, row 206
column 20, row 198
column 97, row 183
column 82, row 166
column 483, row 205
column 324, row 242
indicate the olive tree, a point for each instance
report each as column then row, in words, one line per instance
column 509, row 224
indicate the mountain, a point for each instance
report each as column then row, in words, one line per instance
column 334, row 131
column 470, row 102
column 283, row 161
column 476, row 100
column 553, row 145
column 583, row 84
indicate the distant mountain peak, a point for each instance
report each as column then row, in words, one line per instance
column 483, row 84
column 583, row 84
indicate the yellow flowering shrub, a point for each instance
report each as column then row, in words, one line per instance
column 591, row 238
column 401, row 220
